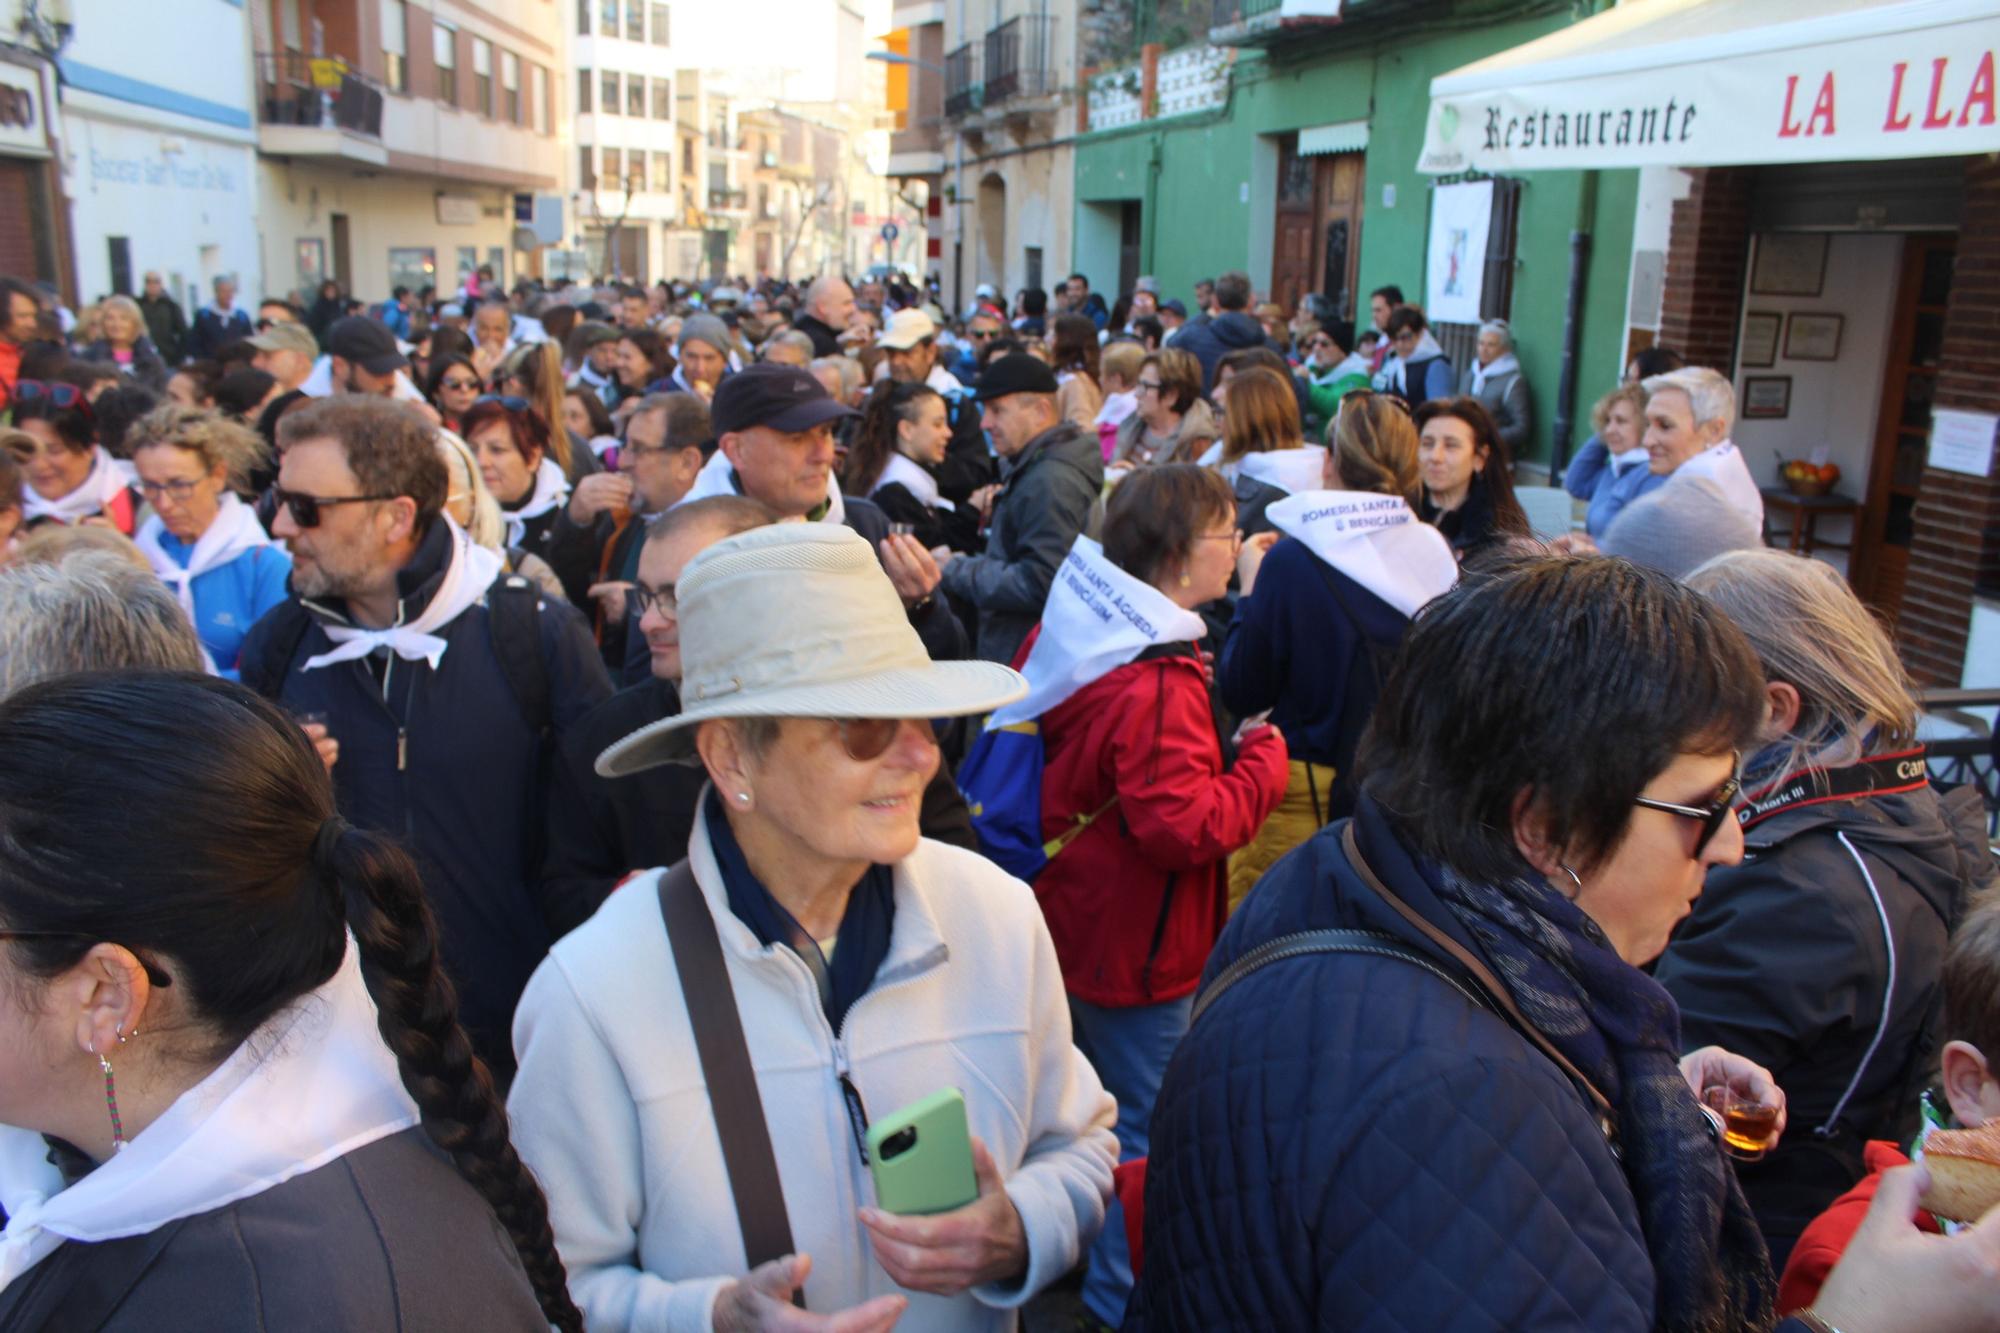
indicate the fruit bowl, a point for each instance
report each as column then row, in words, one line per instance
column 1808, row 479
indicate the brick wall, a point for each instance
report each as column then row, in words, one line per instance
column 1707, row 248
column 1957, row 538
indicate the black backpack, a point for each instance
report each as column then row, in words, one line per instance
column 513, row 608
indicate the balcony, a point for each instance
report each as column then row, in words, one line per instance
column 1020, row 59
column 962, row 93
column 317, row 107
column 728, row 201
column 1267, row 22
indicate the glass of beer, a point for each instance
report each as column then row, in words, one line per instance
column 1747, row 1120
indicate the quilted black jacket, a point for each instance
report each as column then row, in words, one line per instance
column 1347, row 1142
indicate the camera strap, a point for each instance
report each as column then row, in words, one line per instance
column 1881, row 775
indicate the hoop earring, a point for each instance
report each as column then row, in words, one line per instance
column 1574, row 880
column 111, row 1098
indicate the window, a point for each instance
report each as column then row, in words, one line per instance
column 635, row 94
column 663, row 99
column 607, row 18
column 687, row 156
column 415, row 268
column 1033, row 256
column 659, row 25
column 482, row 76
column 635, row 20
column 614, row 169
column 496, row 259
column 586, row 173
column 395, row 46
column 607, row 101
column 583, row 18
column 663, row 173
column 639, row 182
column 468, row 263
column 444, row 54
column 510, row 87
column 583, row 87
column 538, row 99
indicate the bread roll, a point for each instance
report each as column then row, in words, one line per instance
column 1964, row 1165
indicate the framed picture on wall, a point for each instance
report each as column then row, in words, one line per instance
column 1789, row 264
column 1760, row 337
column 1812, row 337
column 1767, row 397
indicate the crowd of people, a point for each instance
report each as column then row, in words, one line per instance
column 506, row 795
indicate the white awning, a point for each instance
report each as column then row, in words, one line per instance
column 1349, row 136
column 1724, row 82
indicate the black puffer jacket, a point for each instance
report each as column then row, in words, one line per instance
column 1839, row 911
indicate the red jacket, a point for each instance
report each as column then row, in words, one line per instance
column 1825, row 1238
column 1137, row 900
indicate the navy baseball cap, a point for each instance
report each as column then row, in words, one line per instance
column 366, row 343
column 786, row 398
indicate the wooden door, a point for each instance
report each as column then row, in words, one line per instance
column 1903, row 427
column 1293, row 267
column 343, row 271
column 1338, row 184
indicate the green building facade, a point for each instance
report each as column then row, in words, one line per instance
column 1182, row 197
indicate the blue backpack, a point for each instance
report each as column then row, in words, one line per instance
column 1001, row 780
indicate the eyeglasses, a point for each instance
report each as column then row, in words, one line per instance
column 180, row 489
column 981, row 335
column 1710, row 816
column 867, row 738
column 646, row 599
column 153, row 973
column 1148, row 386
column 64, row 396
column 457, row 386
column 506, row 400
column 1233, row 536
column 304, row 509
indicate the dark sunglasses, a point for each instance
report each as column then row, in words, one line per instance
column 153, row 973
column 1720, row 807
column 506, row 400
column 866, row 738
column 64, row 396
column 457, row 386
column 305, row 508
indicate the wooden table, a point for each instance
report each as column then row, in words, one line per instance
column 1806, row 511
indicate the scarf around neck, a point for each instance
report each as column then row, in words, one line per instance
column 902, row 470
column 1502, row 364
column 551, row 489
column 1392, row 374
column 233, row 532
column 718, row 477
column 1619, row 1027
column 311, row 1085
column 100, row 486
column 466, row 579
column 1373, row 539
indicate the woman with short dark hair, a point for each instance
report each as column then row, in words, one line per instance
column 71, row 478
column 1172, row 422
column 1468, row 475
column 1417, row 370
column 1480, row 1069
column 516, row 461
column 210, row 1113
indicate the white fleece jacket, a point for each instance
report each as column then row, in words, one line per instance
column 610, row 1110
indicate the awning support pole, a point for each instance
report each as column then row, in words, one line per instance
column 1564, row 422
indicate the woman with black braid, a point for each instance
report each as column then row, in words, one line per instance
column 207, row 1118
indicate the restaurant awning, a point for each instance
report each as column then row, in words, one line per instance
column 1721, row 82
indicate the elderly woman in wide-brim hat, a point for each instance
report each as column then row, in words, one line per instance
column 870, row 968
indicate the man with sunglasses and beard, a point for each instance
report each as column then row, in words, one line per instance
column 446, row 682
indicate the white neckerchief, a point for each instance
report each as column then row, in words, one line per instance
column 1290, row 470
column 471, row 572
column 551, row 489
column 717, row 478
column 233, row 531
column 1352, row 364
column 603, row 444
column 902, row 470
column 311, row 1085
column 1502, row 364
column 1373, row 539
column 943, row 380
column 318, row 383
column 1391, row 375
column 1097, row 618
column 1635, row 456
column 100, row 486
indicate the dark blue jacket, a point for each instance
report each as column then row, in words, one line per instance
column 1591, row 477
column 1308, row 655
column 448, row 762
column 1347, row 1142
column 1216, row 337
column 214, row 331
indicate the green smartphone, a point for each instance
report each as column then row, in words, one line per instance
column 921, row 1157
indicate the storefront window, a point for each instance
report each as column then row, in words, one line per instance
column 413, row 267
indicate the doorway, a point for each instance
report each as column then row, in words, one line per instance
column 1130, row 236
column 343, row 270
column 1903, row 423
column 992, row 221
column 1317, row 246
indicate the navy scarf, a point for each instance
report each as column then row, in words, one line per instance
column 859, row 948
column 1621, row 1029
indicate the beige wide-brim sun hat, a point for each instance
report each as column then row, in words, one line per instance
column 798, row 620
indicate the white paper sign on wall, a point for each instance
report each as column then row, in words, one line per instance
column 1461, row 215
column 1963, row 442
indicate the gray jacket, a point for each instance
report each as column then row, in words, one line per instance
column 387, row 1237
column 1506, row 397
column 1052, row 494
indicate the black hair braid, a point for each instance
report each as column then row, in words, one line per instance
column 418, row 1011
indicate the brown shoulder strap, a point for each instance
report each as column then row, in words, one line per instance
column 725, row 1067
column 1481, row 973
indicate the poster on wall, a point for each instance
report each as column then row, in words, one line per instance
column 1461, row 214
column 1963, row 442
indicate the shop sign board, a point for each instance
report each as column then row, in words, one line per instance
column 24, row 130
